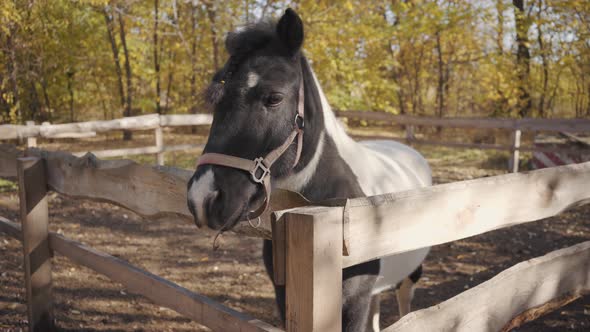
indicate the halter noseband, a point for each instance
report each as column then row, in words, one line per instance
column 259, row 168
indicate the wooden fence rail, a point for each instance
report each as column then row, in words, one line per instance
column 84, row 129
column 372, row 227
column 160, row 291
column 512, row 297
column 156, row 122
column 528, row 124
column 318, row 241
column 516, row 126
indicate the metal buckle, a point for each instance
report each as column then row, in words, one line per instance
column 258, row 164
column 301, row 123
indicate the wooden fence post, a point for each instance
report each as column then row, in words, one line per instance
column 314, row 270
column 515, row 151
column 410, row 134
column 160, row 146
column 34, row 217
column 31, row 141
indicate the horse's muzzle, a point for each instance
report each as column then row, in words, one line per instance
column 220, row 198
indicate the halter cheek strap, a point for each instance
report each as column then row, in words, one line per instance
column 259, row 168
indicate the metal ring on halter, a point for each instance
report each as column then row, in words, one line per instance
column 257, row 224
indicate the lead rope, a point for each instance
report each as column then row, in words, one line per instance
column 221, row 231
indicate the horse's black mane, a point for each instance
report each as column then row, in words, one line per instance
column 240, row 44
column 249, row 38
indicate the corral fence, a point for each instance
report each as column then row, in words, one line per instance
column 156, row 122
column 515, row 127
column 89, row 129
column 312, row 244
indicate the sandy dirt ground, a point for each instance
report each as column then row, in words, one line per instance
column 234, row 275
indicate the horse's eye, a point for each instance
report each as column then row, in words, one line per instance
column 273, row 100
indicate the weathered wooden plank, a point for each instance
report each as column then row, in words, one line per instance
column 314, row 270
column 142, row 122
column 479, row 146
column 538, row 311
column 282, row 202
column 152, row 192
column 493, row 304
column 568, row 125
column 159, row 135
column 185, row 120
column 160, row 291
column 403, row 221
column 120, row 152
column 11, row 229
column 31, row 141
column 34, row 216
column 182, row 147
column 8, row 155
column 515, row 150
column 17, row 131
column 74, row 135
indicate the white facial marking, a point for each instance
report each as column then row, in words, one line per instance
column 253, row 79
column 199, row 191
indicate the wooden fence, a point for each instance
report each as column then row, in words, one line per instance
column 312, row 244
column 157, row 122
column 88, row 129
column 515, row 126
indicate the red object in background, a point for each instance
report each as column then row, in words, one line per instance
column 568, row 142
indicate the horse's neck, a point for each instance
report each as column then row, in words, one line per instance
column 326, row 172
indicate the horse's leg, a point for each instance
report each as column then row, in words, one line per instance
column 374, row 314
column 279, row 290
column 405, row 291
column 357, row 287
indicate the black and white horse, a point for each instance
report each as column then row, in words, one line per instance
column 256, row 97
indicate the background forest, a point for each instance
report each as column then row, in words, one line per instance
column 66, row 60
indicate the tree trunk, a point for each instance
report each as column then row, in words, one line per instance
column 70, row 75
column 212, row 14
column 544, row 63
column 47, row 116
column 170, row 79
column 13, row 72
column 193, row 55
column 500, row 35
column 127, row 135
column 156, row 59
column 523, row 57
column 115, row 49
column 440, row 90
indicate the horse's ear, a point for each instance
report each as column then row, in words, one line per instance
column 290, row 31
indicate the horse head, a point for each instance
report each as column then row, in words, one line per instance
column 257, row 98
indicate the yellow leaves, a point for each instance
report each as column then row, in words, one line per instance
column 348, row 5
column 378, row 55
column 9, row 16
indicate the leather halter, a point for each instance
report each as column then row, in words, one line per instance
column 259, row 168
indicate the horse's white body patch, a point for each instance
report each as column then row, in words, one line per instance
column 253, row 79
column 381, row 167
column 200, row 190
column 297, row 181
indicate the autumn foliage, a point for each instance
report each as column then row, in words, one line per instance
column 64, row 60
